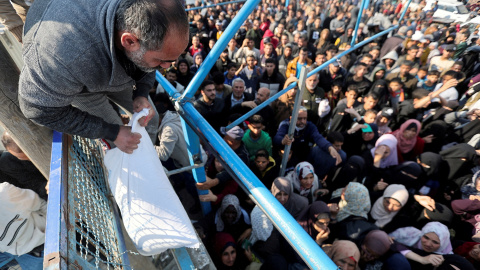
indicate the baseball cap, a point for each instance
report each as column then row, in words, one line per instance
column 367, row 129
column 387, row 112
column 337, row 63
column 449, row 47
column 235, row 133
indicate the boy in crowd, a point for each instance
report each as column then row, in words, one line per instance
column 431, row 82
column 255, row 138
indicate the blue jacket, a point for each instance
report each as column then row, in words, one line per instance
column 308, row 135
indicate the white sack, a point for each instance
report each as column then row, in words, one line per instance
column 153, row 216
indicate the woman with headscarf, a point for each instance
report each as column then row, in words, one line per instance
column 197, row 61
column 226, row 253
column 184, row 75
column 386, row 207
column 410, row 145
column 379, row 160
column 472, row 188
column 431, row 164
column 471, row 252
column 460, row 159
column 265, row 239
column 305, row 181
column 380, row 88
column 315, row 220
column 283, row 191
column 423, row 248
column 360, row 139
column 352, row 218
column 352, row 171
column 408, row 174
column 232, row 219
column 344, row 254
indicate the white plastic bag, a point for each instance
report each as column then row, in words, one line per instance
column 153, row 216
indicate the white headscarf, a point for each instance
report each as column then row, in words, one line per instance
column 382, row 216
column 262, row 227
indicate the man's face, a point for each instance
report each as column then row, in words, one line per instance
column 284, row 39
column 351, row 96
column 404, row 70
column 270, row 67
column 231, row 71
column 374, row 54
column 312, row 82
column 369, row 103
column 251, row 61
column 302, row 42
column 238, row 89
column 195, row 41
column 256, row 129
column 337, row 146
column 256, row 24
column 149, row 61
column 412, row 53
column 280, row 29
column 389, row 62
column 367, row 61
column 171, row 77
column 251, row 43
column 287, row 51
column 361, row 71
column 302, row 119
column 457, row 68
column 268, row 49
column 183, row 68
column 320, row 59
column 302, row 56
column 232, row 43
column 263, row 94
column 209, row 93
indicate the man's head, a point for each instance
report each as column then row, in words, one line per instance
column 238, row 87
column 370, row 101
column 208, row 90
column 171, row 74
column 336, row 139
column 270, row 66
column 151, row 33
column 287, row 51
column 457, row 66
column 251, row 60
column 302, row 55
column 303, row 41
column 351, row 94
column 449, row 51
column 233, row 137
column 302, row 117
column 405, row 67
column 231, row 69
column 418, row 94
column 412, row 51
column 367, row 60
column 395, row 85
column 262, row 95
column 312, row 82
column 256, row 125
column 432, row 76
column 449, row 75
column 320, row 58
column 12, row 147
column 268, row 49
column 361, row 70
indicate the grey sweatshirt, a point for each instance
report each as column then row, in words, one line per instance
column 69, row 50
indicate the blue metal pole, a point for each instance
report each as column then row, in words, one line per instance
column 404, row 11
column 308, row 249
column 322, row 66
column 359, row 18
column 221, row 44
column 219, row 4
column 286, row 3
column 192, row 140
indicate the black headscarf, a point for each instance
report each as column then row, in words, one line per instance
column 380, row 88
column 434, row 161
column 406, row 174
column 352, row 171
column 460, row 159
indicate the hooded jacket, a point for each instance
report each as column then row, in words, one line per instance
column 23, row 219
column 172, row 141
column 390, row 55
column 68, row 53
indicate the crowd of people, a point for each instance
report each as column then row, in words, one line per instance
column 383, row 171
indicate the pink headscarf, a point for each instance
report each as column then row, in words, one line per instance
column 404, row 145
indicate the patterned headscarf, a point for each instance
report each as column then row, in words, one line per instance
column 262, row 227
column 301, row 171
column 356, row 202
column 230, row 200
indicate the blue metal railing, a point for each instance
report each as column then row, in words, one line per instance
column 212, row 6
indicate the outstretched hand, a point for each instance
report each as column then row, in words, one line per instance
column 140, row 103
column 127, row 141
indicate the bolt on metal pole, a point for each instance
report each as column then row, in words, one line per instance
column 293, row 120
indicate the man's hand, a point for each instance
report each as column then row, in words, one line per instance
column 127, row 141
column 428, row 139
column 287, row 140
column 249, row 104
column 210, row 197
column 208, row 184
column 335, row 155
column 139, row 103
column 425, row 201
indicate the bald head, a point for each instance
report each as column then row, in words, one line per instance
column 263, row 94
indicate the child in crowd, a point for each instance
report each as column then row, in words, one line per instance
column 431, row 81
column 397, row 95
column 230, row 74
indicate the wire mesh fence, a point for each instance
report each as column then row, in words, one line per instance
column 93, row 234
